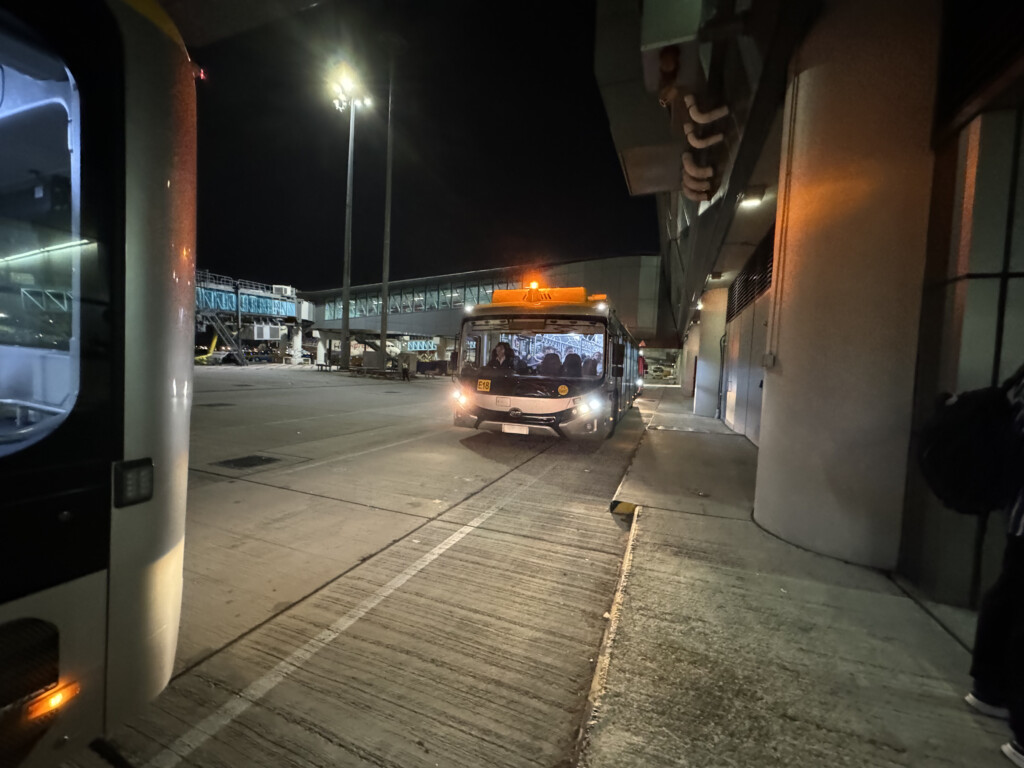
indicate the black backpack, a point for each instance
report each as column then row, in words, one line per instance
column 970, row 451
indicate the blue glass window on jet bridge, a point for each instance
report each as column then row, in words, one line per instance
column 41, row 251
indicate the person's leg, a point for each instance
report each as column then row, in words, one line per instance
column 1015, row 655
column 992, row 641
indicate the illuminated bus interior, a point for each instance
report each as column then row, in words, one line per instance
column 39, row 248
column 541, row 347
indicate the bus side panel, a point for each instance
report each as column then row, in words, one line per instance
column 147, row 539
column 73, row 607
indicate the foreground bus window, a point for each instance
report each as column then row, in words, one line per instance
column 40, row 249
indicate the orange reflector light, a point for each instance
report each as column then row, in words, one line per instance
column 52, row 701
column 533, row 285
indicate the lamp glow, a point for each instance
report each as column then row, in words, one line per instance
column 752, row 197
column 52, row 701
column 533, row 286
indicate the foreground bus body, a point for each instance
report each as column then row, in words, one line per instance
column 97, row 232
column 572, row 372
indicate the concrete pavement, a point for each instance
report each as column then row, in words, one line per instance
column 377, row 588
column 366, row 585
column 732, row 648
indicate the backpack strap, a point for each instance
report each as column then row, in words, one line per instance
column 1014, row 380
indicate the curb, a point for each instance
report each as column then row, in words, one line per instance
column 591, row 713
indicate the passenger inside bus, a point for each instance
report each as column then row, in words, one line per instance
column 551, row 365
column 573, row 365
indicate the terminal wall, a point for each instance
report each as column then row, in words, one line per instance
column 855, row 184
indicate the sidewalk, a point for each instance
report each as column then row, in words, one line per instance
column 729, row 647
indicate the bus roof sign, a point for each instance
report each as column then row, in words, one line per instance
column 539, row 295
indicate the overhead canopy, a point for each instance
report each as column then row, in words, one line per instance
column 202, row 22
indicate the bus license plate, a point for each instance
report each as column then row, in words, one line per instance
column 516, row 429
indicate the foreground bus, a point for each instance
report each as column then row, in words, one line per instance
column 97, row 232
column 571, row 370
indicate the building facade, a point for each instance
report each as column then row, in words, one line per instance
column 837, row 186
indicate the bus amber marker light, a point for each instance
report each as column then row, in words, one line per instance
column 52, row 701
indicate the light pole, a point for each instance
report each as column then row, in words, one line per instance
column 387, row 226
column 348, row 94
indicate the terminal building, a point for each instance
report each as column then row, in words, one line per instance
column 839, row 195
column 424, row 314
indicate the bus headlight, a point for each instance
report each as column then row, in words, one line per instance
column 639, row 382
column 584, row 409
column 459, row 397
column 595, row 404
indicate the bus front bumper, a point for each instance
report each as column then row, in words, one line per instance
column 581, row 427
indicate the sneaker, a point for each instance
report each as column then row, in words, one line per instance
column 990, row 710
column 1015, row 752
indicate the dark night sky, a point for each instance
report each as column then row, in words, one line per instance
column 502, row 149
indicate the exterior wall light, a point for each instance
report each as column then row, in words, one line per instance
column 752, row 197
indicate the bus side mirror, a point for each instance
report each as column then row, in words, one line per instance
column 618, row 354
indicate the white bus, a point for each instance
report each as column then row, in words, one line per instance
column 97, row 262
column 545, row 361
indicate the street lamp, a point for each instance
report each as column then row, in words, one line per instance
column 347, row 94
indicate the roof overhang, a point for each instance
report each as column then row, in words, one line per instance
column 202, row 22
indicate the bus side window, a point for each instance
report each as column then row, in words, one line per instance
column 618, row 356
column 471, row 352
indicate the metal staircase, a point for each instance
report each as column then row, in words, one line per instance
column 231, row 339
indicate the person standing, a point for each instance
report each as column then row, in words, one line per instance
column 997, row 663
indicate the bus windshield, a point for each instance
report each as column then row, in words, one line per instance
column 533, row 347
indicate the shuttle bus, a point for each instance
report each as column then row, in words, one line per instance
column 97, row 235
column 545, row 361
